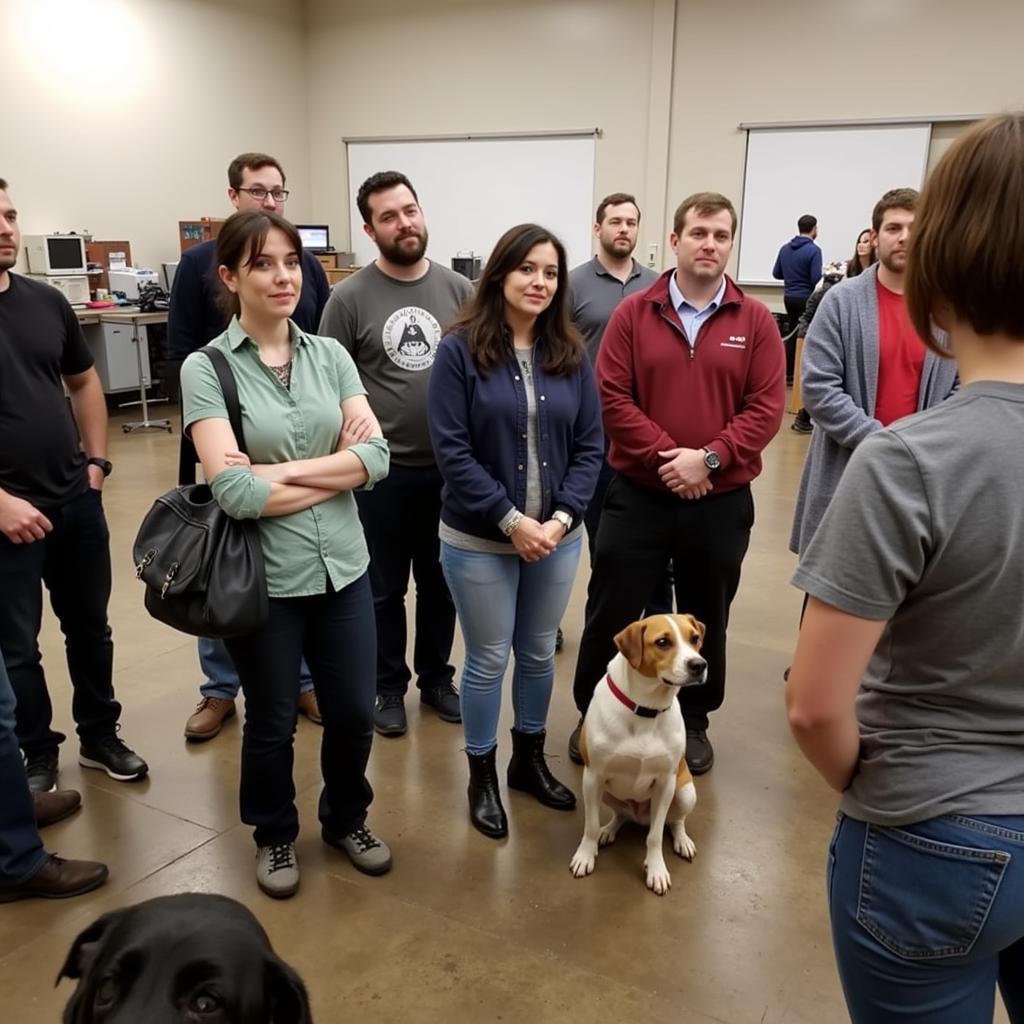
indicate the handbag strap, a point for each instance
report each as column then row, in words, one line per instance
column 230, row 391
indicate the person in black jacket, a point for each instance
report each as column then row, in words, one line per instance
column 863, row 257
column 256, row 181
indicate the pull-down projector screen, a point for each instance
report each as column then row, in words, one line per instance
column 835, row 173
column 473, row 189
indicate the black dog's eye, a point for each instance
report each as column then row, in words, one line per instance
column 663, row 642
column 695, row 639
column 106, row 994
column 205, row 1003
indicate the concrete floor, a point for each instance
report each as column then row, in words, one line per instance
column 464, row 928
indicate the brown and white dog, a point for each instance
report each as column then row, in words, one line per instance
column 633, row 743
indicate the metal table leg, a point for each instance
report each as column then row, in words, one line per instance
column 145, row 423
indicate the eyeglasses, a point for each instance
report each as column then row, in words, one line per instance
column 279, row 195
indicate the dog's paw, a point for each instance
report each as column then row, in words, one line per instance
column 583, row 860
column 684, row 846
column 607, row 834
column 659, row 881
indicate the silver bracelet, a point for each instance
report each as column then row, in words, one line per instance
column 513, row 524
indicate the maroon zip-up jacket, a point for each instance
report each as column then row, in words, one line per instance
column 727, row 394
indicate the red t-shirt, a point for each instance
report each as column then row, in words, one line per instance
column 900, row 359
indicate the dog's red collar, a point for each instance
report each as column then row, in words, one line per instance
column 637, row 709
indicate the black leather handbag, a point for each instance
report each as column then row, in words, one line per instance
column 203, row 570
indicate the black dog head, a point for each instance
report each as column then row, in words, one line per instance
column 186, row 959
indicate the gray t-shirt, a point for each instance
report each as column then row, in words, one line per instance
column 392, row 329
column 926, row 532
column 595, row 294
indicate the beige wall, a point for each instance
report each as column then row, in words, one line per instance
column 406, row 66
column 401, row 67
column 120, row 116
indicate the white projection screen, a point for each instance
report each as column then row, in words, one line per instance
column 835, row 173
column 473, row 189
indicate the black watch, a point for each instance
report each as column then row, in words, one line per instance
column 711, row 460
column 105, row 464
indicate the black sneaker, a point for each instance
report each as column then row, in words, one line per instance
column 444, row 699
column 41, row 770
column 389, row 715
column 112, row 755
column 802, row 424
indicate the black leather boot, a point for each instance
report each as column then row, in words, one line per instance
column 485, row 810
column 529, row 772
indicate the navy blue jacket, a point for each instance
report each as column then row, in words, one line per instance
column 799, row 265
column 194, row 318
column 478, row 430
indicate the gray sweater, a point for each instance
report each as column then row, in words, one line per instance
column 839, row 382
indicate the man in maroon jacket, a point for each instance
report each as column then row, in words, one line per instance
column 692, row 380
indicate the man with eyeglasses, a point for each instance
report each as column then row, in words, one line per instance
column 256, row 181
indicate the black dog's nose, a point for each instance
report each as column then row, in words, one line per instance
column 696, row 666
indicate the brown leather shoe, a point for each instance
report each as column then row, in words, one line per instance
column 56, row 805
column 309, row 707
column 208, row 718
column 57, row 880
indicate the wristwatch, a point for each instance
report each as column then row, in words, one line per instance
column 564, row 518
column 711, row 460
column 105, row 464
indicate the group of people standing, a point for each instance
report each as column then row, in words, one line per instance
column 412, row 422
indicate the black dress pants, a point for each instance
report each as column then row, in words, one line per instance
column 400, row 517
column 641, row 529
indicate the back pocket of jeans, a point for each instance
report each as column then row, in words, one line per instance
column 923, row 899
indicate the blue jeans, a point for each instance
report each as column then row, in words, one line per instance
column 221, row 676
column 928, row 918
column 21, row 850
column 505, row 604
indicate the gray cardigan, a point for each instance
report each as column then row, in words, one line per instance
column 839, row 381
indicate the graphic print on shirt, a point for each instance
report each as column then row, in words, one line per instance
column 411, row 336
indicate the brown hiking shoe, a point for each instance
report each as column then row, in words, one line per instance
column 208, row 719
column 309, row 707
column 57, row 880
column 55, row 805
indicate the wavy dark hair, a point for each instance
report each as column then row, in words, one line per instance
column 482, row 320
column 239, row 242
column 853, row 267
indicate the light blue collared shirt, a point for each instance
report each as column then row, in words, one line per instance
column 692, row 318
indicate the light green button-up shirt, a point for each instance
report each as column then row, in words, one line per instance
column 304, row 550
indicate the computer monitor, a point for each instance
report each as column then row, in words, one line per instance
column 315, row 237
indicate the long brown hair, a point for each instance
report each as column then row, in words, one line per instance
column 853, row 267
column 482, row 321
column 969, row 233
column 241, row 238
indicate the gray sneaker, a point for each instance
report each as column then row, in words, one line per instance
column 277, row 870
column 367, row 853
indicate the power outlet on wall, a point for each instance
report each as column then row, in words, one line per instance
column 652, row 255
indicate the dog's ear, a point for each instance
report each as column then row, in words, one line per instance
column 285, row 994
column 631, row 643
column 84, row 949
column 699, row 626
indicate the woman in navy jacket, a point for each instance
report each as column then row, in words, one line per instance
column 516, row 429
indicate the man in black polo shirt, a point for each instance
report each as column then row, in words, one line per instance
column 256, row 181
column 52, row 527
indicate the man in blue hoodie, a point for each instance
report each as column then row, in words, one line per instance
column 799, row 266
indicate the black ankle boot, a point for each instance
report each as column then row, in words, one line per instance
column 529, row 772
column 485, row 810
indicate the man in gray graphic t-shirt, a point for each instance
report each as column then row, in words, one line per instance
column 391, row 317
